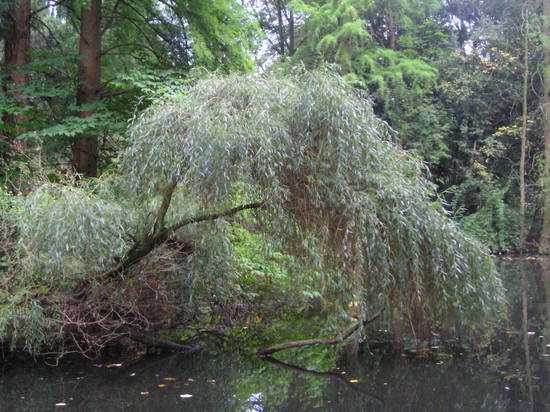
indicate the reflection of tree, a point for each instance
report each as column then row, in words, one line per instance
column 528, row 285
column 525, row 333
column 328, row 375
column 545, row 278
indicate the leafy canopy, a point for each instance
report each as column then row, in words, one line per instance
column 347, row 201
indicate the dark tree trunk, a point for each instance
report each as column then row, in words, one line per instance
column 85, row 149
column 291, row 34
column 16, row 47
column 281, row 28
column 544, row 245
column 392, row 27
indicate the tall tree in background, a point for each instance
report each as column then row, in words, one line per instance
column 378, row 45
column 85, row 148
column 522, row 200
column 279, row 23
column 461, row 15
column 545, row 233
column 17, row 40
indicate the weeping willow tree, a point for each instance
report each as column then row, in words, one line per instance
column 305, row 157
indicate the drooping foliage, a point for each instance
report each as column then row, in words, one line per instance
column 349, row 202
column 96, row 234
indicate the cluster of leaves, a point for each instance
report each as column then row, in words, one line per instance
column 96, row 233
column 492, row 221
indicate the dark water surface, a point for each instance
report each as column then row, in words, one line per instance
column 514, row 375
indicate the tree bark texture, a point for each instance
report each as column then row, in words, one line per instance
column 544, row 244
column 16, row 47
column 85, row 149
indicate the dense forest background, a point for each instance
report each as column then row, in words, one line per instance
column 448, row 76
column 462, row 85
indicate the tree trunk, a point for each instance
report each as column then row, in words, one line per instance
column 524, row 126
column 85, row 149
column 544, row 245
column 16, row 47
column 291, row 35
column 280, row 28
column 392, row 29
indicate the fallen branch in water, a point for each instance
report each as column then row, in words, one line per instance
column 162, row 343
column 311, row 342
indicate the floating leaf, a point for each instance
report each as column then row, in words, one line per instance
column 186, row 396
column 162, row 385
column 169, row 379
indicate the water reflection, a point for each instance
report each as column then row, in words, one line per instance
column 513, row 375
column 525, row 332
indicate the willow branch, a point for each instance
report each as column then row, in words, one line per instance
column 214, row 216
column 144, row 247
column 163, row 343
column 165, row 205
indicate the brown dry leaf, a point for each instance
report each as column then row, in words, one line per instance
column 144, row 393
column 169, row 379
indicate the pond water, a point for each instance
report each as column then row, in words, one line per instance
column 513, row 375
